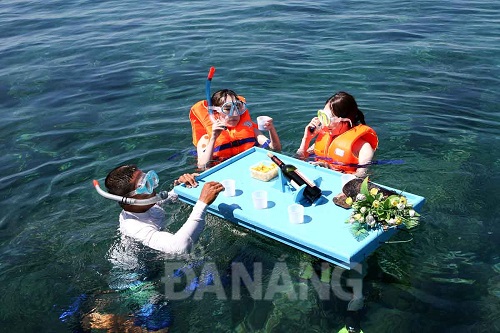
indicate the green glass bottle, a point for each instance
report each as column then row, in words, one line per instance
column 297, row 179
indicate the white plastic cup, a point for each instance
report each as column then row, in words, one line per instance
column 346, row 178
column 229, row 187
column 261, row 121
column 296, row 213
column 259, row 199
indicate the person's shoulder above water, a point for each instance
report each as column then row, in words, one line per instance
column 142, row 220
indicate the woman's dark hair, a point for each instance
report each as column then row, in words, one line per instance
column 219, row 97
column 343, row 105
column 119, row 180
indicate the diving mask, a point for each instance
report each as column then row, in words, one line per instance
column 326, row 120
column 231, row 109
column 146, row 184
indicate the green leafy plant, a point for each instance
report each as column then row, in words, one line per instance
column 373, row 210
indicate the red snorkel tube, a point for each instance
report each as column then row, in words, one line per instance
column 211, row 73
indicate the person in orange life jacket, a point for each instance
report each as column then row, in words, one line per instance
column 230, row 131
column 343, row 141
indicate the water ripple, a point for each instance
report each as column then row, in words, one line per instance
column 88, row 85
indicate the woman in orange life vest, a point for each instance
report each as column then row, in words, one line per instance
column 229, row 131
column 343, row 142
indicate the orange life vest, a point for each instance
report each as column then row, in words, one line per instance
column 230, row 142
column 338, row 149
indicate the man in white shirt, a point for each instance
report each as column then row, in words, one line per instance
column 144, row 223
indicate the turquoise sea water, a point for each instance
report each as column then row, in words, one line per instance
column 87, row 85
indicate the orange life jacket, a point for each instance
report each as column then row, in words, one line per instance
column 338, row 149
column 230, row 142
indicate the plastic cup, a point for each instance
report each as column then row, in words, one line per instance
column 261, row 121
column 259, row 199
column 296, row 213
column 346, row 178
column 229, row 187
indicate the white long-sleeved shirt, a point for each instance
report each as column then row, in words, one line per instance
column 147, row 227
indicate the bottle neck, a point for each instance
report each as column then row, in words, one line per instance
column 277, row 161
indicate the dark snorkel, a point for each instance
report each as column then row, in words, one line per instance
column 131, row 201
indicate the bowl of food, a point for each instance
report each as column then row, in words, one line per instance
column 264, row 170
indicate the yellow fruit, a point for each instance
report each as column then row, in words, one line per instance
column 264, row 168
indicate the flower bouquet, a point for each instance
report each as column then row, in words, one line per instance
column 372, row 210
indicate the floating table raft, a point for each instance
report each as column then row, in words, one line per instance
column 323, row 234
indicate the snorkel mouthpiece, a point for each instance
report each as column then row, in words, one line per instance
column 130, row 201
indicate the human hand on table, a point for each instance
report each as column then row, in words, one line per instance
column 210, row 191
column 187, row 179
